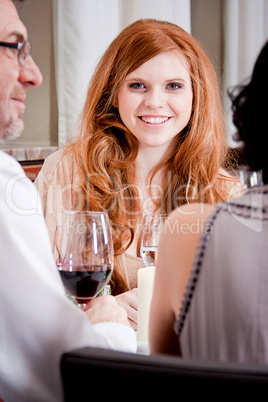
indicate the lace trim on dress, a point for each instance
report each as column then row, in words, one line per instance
column 248, row 211
column 194, row 274
column 234, row 207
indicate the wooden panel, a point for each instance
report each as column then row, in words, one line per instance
column 32, row 168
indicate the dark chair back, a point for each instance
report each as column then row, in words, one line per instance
column 109, row 374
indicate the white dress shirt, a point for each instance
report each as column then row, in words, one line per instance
column 37, row 322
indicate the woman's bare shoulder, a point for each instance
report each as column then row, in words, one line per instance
column 191, row 212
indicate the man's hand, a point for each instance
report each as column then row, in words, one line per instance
column 106, row 309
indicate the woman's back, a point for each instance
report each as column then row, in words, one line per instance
column 225, row 310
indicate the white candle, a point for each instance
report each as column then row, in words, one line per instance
column 145, row 293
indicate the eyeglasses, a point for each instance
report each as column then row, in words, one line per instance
column 23, row 47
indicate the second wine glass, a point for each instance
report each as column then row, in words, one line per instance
column 150, row 234
column 83, row 250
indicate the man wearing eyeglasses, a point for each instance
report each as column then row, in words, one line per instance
column 17, row 71
column 37, row 322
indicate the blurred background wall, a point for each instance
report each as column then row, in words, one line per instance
column 69, row 36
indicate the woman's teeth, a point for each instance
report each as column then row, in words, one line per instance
column 154, row 120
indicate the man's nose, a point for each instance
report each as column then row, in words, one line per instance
column 30, row 74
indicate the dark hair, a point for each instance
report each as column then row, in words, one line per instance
column 250, row 112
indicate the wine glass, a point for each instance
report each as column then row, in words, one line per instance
column 250, row 178
column 150, row 234
column 83, row 251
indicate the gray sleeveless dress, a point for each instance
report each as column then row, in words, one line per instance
column 224, row 315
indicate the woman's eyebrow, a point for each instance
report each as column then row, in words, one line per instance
column 175, row 79
column 134, row 79
column 167, row 80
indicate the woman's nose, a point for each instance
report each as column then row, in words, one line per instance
column 154, row 98
column 30, row 74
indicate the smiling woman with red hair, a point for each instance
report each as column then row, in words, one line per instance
column 151, row 139
column 211, row 287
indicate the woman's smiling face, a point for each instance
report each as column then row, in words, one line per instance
column 155, row 100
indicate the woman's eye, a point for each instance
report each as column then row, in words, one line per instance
column 174, row 85
column 137, row 85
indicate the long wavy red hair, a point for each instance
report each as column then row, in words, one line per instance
column 106, row 151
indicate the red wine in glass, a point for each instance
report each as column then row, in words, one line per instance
column 84, row 282
column 84, row 255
